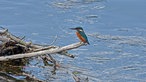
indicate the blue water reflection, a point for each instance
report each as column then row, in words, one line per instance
column 116, row 30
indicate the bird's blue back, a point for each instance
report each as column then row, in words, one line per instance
column 83, row 35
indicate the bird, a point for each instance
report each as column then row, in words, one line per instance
column 81, row 34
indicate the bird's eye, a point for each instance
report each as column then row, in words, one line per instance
column 80, row 30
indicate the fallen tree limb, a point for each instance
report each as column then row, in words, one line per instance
column 7, row 37
column 50, row 51
column 16, row 51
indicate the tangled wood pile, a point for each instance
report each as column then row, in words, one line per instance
column 14, row 49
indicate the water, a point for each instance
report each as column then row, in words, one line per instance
column 116, row 30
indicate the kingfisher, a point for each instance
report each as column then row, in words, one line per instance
column 81, row 34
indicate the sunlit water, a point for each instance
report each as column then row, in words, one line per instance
column 116, row 30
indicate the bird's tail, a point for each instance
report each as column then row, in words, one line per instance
column 88, row 43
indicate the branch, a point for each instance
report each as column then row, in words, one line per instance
column 49, row 51
column 4, row 39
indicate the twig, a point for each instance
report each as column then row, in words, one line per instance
column 54, row 40
column 65, row 53
column 3, row 32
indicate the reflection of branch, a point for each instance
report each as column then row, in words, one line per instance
column 49, row 51
column 31, row 77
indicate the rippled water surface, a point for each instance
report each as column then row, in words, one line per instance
column 116, row 31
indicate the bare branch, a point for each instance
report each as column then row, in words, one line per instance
column 49, row 51
column 4, row 39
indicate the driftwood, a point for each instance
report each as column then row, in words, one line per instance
column 13, row 48
column 42, row 52
column 33, row 49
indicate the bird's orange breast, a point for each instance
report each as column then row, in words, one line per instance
column 80, row 37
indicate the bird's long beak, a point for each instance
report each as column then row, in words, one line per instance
column 73, row 28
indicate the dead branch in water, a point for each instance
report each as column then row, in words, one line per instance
column 42, row 52
column 30, row 48
column 15, row 48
